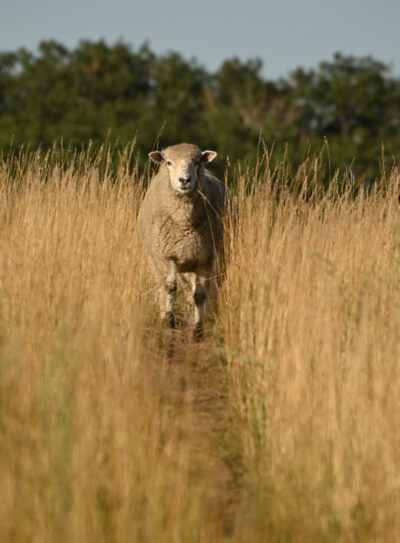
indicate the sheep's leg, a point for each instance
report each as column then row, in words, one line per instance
column 199, row 289
column 170, row 291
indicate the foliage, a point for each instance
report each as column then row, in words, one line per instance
column 99, row 91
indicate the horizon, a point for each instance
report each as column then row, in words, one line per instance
column 285, row 36
column 135, row 47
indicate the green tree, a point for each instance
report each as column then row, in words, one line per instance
column 97, row 91
column 177, row 101
column 354, row 102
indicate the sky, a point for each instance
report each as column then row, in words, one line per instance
column 285, row 34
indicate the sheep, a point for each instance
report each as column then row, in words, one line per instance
column 181, row 226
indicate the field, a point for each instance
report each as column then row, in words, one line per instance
column 281, row 426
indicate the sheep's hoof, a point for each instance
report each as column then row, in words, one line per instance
column 198, row 332
column 169, row 320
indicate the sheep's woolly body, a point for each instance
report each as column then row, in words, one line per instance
column 182, row 233
column 182, row 228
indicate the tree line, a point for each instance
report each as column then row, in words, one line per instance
column 99, row 92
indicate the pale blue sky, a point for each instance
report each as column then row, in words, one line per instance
column 286, row 34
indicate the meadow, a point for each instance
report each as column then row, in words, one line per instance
column 281, row 426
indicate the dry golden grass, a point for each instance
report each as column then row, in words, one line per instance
column 283, row 425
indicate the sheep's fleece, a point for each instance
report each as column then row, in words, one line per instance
column 182, row 232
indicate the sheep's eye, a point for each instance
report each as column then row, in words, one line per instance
column 169, row 163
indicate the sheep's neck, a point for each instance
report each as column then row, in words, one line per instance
column 189, row 210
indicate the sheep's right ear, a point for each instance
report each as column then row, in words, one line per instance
column 156, row 156
column 208, row 156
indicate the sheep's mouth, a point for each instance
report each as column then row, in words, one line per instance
column 185, row 190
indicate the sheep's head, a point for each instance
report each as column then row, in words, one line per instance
column 185, row 165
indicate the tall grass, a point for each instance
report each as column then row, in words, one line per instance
column 281, row 426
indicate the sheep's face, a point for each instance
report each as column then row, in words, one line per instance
column 184, row 173
column 184, row 164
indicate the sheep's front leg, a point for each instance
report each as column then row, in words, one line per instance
column 199, row 289
column 170, row 291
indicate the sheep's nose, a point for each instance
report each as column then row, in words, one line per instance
column 184, row 180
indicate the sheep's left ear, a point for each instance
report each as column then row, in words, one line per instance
column 156, row 157
column 208, row 156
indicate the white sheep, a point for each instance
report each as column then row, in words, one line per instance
column 181, row 225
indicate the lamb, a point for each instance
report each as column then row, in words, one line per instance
column 181, row 227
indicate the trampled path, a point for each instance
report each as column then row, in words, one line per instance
column 199, row 382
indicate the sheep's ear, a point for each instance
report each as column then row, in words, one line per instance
column 208, row 156
column 156, row 156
